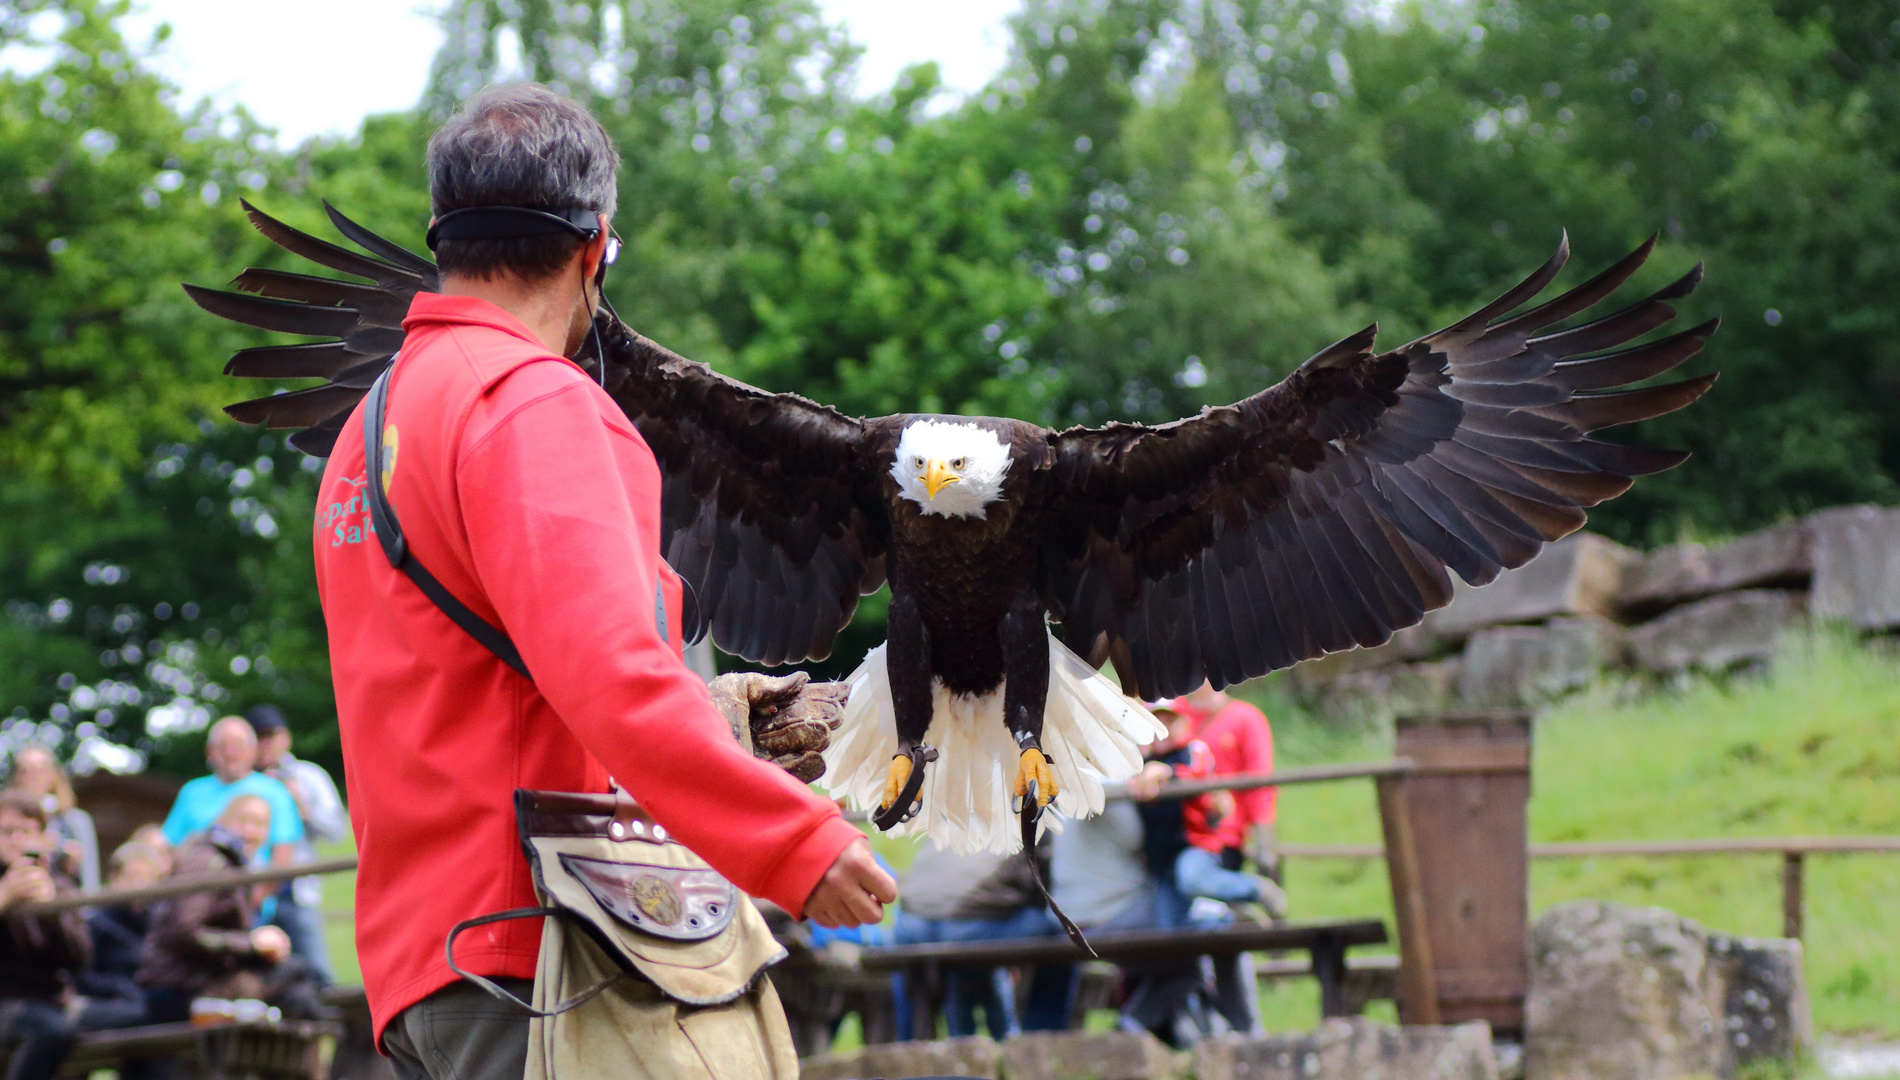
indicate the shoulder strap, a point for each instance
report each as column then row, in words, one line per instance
column 396, row 549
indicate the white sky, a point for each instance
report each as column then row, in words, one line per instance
column 373, row 55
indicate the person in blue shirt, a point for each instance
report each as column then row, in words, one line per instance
column 231, row 751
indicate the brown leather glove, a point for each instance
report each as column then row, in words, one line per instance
column 785, row 720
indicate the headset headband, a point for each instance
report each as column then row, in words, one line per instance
column 496, row 222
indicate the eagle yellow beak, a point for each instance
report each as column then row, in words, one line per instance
column 937, row 476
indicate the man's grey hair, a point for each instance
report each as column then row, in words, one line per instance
column 519, row 144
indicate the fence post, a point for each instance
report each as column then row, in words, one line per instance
column 1417, row 990
column 1466, row 800
column 1791, row 874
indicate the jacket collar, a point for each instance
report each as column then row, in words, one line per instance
column 436, row 311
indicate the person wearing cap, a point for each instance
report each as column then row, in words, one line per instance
column 534, row 504
column 300, row 902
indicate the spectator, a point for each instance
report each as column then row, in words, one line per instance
column 231, row 751
column 1242, row 742
column 206, row 944
column 38, row 954
column 950, row 898
column 300, row 902
column 153, row 837
column 1179, row 837
column 36, row 771
column 114, row 999
column 1184, row 839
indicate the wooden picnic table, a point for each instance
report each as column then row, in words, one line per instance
column 1326, row 941
column 239, row 1050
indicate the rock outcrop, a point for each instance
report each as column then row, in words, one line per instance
column 1353, row 1049
column 1087, row 1055
column 1629, row 993
column 977, row 1057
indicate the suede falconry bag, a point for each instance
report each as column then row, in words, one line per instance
column 651, row 964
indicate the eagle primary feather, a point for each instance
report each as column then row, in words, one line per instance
column 1323, row 513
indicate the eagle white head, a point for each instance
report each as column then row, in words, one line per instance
column 950, row 469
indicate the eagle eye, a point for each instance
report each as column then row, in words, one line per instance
column 959, row 463
column 917, row 462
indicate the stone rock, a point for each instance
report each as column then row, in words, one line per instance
column 1620, row 993
column 1857, row 566
column 1718, row 633
column 1578, row 575
column 1764, row 998
column 1353, row 1049
column 1373, row 698
column 1507, row 666
column 975, row 1056
column 1087, row 1055
column 1781, row 555
column 1315, row 676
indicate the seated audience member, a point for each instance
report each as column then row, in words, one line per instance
column 114, row 999
column 153, row 836
column 1170, row 999
column 37, row 773
column 207, row 944
column 300, row 901
column 1185, row 838
column 950, row 898
column 1242, row 742
column 38, row 954
column 231, row 751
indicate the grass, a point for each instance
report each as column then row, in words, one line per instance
column 1810, row 748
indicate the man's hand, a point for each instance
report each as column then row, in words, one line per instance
column 1146, row 784
column 853, row 892
column 29, row 883
column 271, row 943
column 784, row 720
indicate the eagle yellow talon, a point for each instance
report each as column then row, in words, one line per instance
column 1034, row 768
column 894, row 782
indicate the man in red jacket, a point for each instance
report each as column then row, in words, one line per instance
column 528, row 495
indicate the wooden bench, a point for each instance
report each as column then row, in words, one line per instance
column 1325, row 942
column 260, row 1050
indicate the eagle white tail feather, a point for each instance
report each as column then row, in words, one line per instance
column 1091, row 733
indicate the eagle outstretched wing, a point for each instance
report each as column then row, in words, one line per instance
column 1324, row 512
column 762, row 506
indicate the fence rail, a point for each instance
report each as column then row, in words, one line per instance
column 1793, row 850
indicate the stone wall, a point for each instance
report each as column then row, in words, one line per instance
column 1589, row 604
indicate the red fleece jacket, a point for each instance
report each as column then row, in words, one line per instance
column 530, row 496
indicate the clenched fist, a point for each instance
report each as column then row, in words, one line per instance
column 786, row 720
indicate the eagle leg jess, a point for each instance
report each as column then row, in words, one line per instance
column 907, row 661
column 1026, row 694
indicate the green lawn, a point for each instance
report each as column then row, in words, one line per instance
column 1812, row 748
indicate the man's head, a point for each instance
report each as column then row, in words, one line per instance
column 22, row 826
column 273, row 735
column 231, row 749
column 247, row 817
column 136, row 865
column 523, row 145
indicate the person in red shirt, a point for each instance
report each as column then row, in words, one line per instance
column 525, row 491
column 1242, row 742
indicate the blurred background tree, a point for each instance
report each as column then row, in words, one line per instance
column 1156, row 205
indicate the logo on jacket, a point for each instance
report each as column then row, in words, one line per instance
column 345, row 515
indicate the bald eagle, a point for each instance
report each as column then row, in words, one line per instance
column 1320, row 514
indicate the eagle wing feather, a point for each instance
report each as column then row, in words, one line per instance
column 768, row 501
column 1326, row 512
